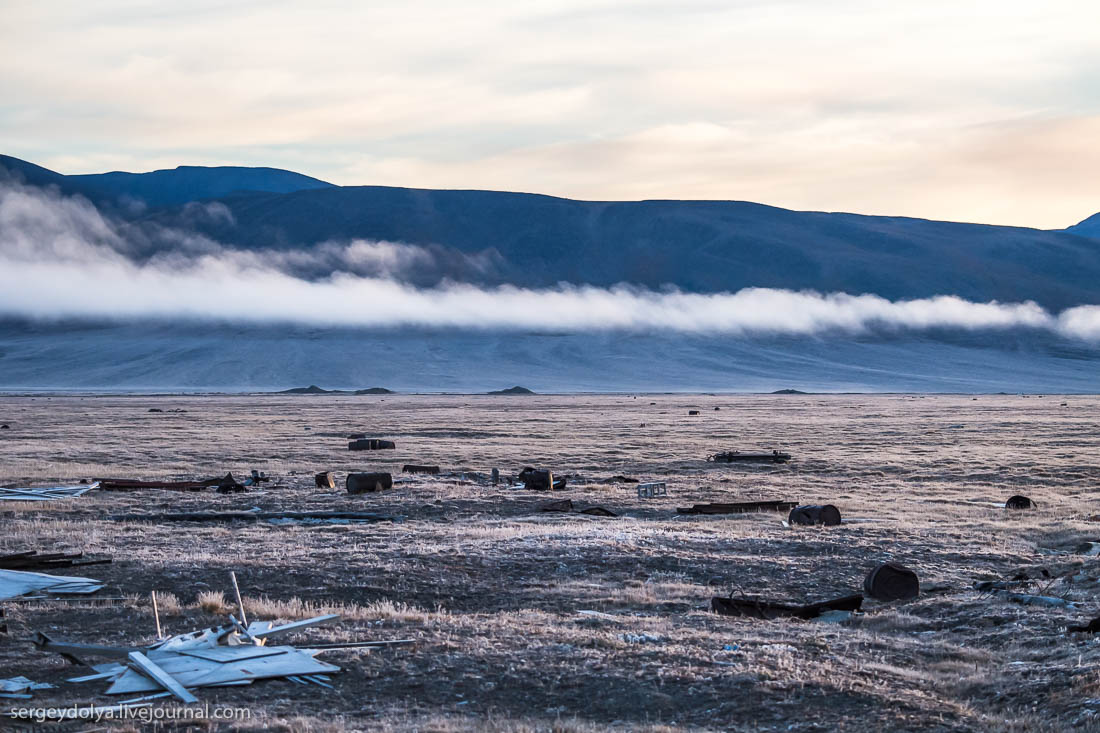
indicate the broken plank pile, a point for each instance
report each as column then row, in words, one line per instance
column 124, row 484
column 32, row 559
column 743, row 507
column 233, row 654
column 15, row 583
column 45, row 494
column 272, row 517
column 764, row 609
column 734, row 456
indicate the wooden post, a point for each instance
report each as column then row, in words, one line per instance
column 156, row 615
column 240, row 603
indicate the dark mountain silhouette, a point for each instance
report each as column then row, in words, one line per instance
column 1088, row 228
column 170, row 187
column 698, row 246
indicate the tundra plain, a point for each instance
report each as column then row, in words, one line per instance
column 491, row 588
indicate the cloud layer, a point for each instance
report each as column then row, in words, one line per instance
column 975, row 111
column 60, row 258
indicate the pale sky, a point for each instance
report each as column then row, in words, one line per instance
column 973, row 111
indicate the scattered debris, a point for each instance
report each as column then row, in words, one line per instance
column 32, row 559
column 155, row 409
column 566, row 505
column 325, row 480
column 5, row 426
column 892, row 582
column 562, row 505
column 693, row 412
column 835, row 617
column 1027, row 599
column 414, row 468
column 361, row 483
column 1090, row 628
column 734, row 456
column 257, row 478
column 15, row 583
column 1019, row 502
column 496, row 476
column 620, row 480
column 230, row 485
column 232, row 654
column 813, row 514
column 539, row 480
column 652, row 489
column 371, row 444
column 45, row 494
column 19, row 688
column 122, row 484
column 256, row 516
column 753, row 607
column 743, row 507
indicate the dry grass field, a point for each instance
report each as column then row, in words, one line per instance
column 491, row 588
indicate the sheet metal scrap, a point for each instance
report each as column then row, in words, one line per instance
column 734, row 456
column 753, row 607
column 15, row 583
column 49, row 493
column 21, row 688
column 742, row 507
column 31, row 559
column 232, row 654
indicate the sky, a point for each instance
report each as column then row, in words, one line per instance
column 963, row 110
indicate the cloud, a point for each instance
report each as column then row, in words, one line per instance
column 938, row 109
column 61, row 258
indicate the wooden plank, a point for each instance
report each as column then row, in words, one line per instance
column 161, row 677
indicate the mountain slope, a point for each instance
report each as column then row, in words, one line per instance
column 169, row 187
column 1090, row 227
column 700, row 246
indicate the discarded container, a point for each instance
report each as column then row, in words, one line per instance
column 413, row 468
column 811, row 514
column 361, row 483
column 892, row 582
column 371, row 444
column 325, row 480
column 537, row 480
column 693, row 412
column 652, row 489
column 1019, row 502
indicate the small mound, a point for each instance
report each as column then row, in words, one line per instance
column 374, row 390
column 512, row 390
column 789, row 391
column 311, row 389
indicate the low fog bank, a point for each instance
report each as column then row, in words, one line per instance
column 61, row 258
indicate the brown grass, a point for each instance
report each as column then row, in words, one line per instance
column 491, row 588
